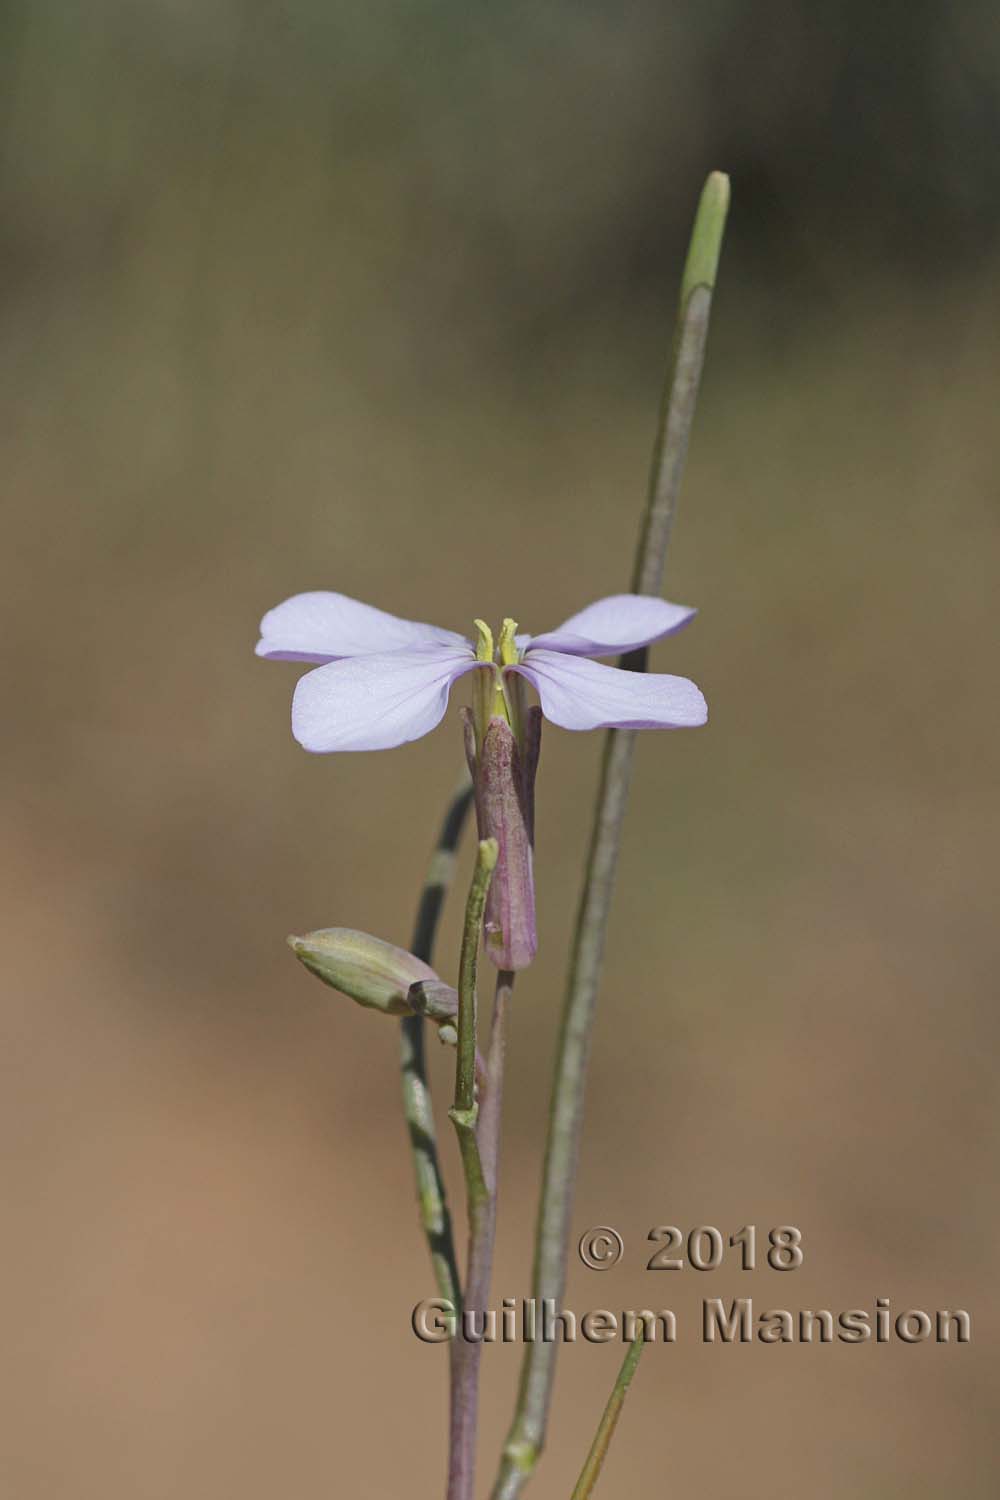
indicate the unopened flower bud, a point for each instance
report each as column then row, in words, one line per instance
column 375, row 973
column 434, row 999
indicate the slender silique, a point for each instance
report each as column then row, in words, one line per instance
column 526, row 1437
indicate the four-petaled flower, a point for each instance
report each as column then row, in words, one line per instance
column 384, row 681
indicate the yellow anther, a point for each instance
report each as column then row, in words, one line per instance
column 484, row 646
column 509, row 654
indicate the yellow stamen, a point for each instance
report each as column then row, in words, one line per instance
column 484, row 646
column 509, row 654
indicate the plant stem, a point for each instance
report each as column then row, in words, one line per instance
column 417, row 1107
column 479, row 1194
column 609, row 1421
column 467, row 1344
column 680, row 391
column 526, row 1437
column 491, row 1090
column 463, row 1112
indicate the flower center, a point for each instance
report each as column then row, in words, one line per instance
column 506, row 646
column 491, row 696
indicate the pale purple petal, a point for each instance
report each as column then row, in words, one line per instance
column 580, row 694
column 622, row 622
column 376, row 702
column 324, row 627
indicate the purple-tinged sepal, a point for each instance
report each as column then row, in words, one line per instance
column 503, row 780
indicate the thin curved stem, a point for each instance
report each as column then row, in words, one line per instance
column 417, row 1107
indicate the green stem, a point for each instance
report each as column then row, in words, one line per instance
column 680, row 391
column 526, row 1437
column 478, row 1188
column 417, row 1108
column 491, row 1085
column 609, row 1421
column 465, row 1072
column 466, row 1348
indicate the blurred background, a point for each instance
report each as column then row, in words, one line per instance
column 377, row 298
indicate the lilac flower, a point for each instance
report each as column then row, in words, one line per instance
column 384, row 681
